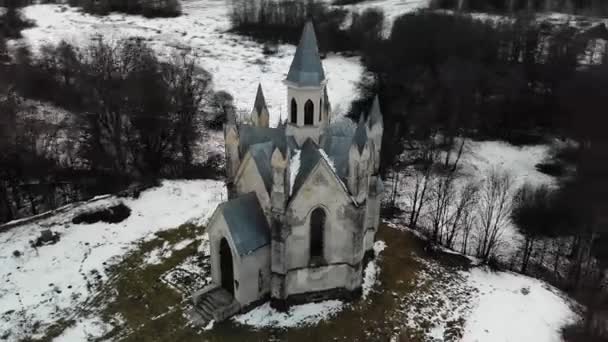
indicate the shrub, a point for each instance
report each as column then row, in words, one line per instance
column 114, row 214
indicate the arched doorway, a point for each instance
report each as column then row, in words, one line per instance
column 309, row 110
column 317, row 235
column 226, row 267
column 294, row 112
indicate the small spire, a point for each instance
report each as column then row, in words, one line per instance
column 260, row 102
column 375, row 115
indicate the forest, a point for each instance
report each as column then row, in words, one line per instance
column 135, row 118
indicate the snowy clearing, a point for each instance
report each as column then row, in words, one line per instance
column 479, row 305
column 55, row 281
column 513, row 307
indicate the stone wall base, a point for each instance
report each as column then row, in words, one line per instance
column 315, row 296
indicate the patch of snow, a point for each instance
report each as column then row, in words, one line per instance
column 504, row 312
column 300, row 315
column 372, row 270
column 55, row 281
column 379, row 246
column 209, row 325
column 88, row 329
column 182, row 244
column 294, row 168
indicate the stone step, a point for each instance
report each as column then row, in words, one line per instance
column 206, row 305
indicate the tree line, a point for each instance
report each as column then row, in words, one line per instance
column 147, row 8
column 584, row 7
column 136, row 119
column 445, row 78
column 282, row 21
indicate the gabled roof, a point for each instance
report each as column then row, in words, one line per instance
column 260, row 102
column 309, row 157
column 337, row 148
column 251, row 135
column 247, row 223
column 262, row 155
column 306, row 68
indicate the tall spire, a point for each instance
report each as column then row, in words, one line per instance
column 306, row 68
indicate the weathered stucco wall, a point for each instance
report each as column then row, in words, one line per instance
column 251, row 271
column 343, row 236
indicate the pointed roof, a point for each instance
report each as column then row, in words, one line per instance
column 306, row 68
column 360, row 138
column 375, row 115
column 260, row 102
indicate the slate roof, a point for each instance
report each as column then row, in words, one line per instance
column 309, row 157
column 306, row 68
column 246, row 222
column 251, row 135
column 260, row 102
column 337, row 148
column 262, row 156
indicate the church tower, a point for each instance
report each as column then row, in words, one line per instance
column 308, row 113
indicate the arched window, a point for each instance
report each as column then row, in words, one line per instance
column 294, row 111
column 309, row 110
column 317, row 232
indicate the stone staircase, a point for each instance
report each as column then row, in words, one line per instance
column 213, row 303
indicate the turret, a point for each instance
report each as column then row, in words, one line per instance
column 233, row 161
column 359, row 163
column 305, row 83
column 259, row 113
column 280, row 180
column 375, row 129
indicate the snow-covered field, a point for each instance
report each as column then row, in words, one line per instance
column 236, row 63
column 512, row 307
column 55, row 281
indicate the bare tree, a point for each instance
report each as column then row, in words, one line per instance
column 493, row 211
column 420, row 194
column 462, row 213
column 442, row 197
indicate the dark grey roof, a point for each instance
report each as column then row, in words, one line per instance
column 341, row 128
column 247, row 223
column 260, row 102
column 309, row 157
column 337, row 148
column 251, row 135
column 375, row 115
column 306, row 68
column 262, row 155
column 360, row 137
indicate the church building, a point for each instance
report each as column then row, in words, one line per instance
column 303, row 203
